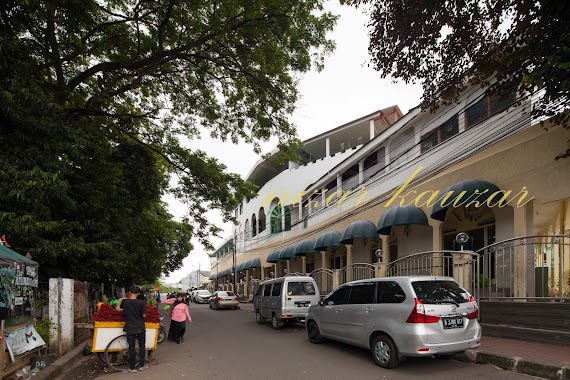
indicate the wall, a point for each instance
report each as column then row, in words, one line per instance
column 61, row 312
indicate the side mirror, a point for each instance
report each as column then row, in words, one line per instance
column 320, row 303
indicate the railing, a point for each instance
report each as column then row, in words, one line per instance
column 358, row 271
column 461, row 265
column 526, row 268
column 294, row 274
column 324, row 279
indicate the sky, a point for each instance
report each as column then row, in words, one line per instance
column 345, row 90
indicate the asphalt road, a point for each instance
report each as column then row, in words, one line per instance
column 228, row 344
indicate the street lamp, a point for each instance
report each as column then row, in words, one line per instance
column 378, row 254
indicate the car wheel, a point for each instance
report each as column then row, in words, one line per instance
column 314, row 333
column 276, row 323
column 384, row 352
column 258, row 318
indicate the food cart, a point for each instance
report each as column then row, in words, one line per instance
column 18, row 286
column 109, row 340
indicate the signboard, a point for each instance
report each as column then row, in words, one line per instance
column 23, row 340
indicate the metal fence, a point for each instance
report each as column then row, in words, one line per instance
column 324, row 279
column 357, row 271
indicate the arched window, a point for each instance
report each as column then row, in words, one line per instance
column 247, row 231
column 262, row 221
column 253, row 225
column 287, row 218
column 276, row 219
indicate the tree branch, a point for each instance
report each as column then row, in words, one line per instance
column 52, row 42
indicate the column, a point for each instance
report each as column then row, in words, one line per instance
column 246, row 283
column 339, row 184
column 360, row 171
column 371, row 129
column 348, row 272
column 328, row 146
column 288, row 266
column 523, row 261
column 304, row 264
column 437, row 247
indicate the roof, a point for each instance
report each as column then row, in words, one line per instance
column 9, row 256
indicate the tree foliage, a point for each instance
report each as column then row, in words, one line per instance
column 449, row 45
column 96, row 98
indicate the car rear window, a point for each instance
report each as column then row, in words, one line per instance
column 300, row 289
column 439, row 292
column 204, row 292
column 225, row 294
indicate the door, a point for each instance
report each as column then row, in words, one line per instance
column 299, row 295
column 275, row 303
column 265, row 301
column 358, row 314
column 332, row 312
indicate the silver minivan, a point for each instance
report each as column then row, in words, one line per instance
column 285, row 299
column 397, row 317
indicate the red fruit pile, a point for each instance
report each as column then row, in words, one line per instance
column 152, row 314
column 107, row 313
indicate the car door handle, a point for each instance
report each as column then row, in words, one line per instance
column 368, row 309
column 338, row 310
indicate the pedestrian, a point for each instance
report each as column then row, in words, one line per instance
column 134, row 311
column 158, row 298
column 178, row 318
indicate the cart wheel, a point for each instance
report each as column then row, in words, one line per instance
column 161, row 334
column 117, row 353
column 101, row 356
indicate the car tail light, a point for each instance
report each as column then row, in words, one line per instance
column 419, row 315
column 220, row 299
column 475, row 313
column 236, row 299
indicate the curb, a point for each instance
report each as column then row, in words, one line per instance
column 57, row 367
column 515, row 364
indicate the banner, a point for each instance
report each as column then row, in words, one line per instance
column 23, row 340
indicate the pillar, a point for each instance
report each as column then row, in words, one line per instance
column 523, row 261
column 288, row 266
column 61, row 312
column 360, row 171
column 328, row 146
column 304, row 264
column 348, row 263
column 246, row 283
column 437, row 247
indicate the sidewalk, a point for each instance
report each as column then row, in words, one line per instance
column 530, row 358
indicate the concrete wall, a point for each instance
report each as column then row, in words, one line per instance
column 61, row 312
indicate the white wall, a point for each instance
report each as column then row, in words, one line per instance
column 61, row 312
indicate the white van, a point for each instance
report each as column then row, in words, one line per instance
column 285, row 299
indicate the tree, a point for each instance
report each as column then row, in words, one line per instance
column 96, row 97
column 449, row 45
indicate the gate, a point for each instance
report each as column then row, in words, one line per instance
column 461, row 265
column 324, row 279
column 82, row 310
column 358, row 271
column 530, row 267
column 253, row 286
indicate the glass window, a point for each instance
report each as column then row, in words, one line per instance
column 476, row 113
column 390, row 292
column 276, row 291
column 301, row 289
column 259, row 291
column 440, row 292
column 362, row 294
column 339, row 297
column 222, row 294
column 449, row 129
column 499, row 104
column 230, row 294
column 267, row 290
column 429, row 141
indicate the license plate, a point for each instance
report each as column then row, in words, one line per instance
column 301, row 304
column 452, row 323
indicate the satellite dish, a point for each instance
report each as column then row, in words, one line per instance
column 462, row 238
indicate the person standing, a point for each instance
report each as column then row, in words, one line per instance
column 134, row 311
column 178, row 318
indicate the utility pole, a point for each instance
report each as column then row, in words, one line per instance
column 234, row 262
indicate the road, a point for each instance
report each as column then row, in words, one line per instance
column 228, row 344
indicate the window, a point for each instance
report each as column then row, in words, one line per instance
column 262, row 220
column 287, row 218
column 247, row 230
column 362, row 294
column 401, row 148
column 266, row 290
column 300, row 289
column 485, row 108
column 339, row 297
column 440, row 134
column 390, row 292
column 241, row 208
column 309, row 267
column 259, row 291
column 253, row 225
column 276, row 291
column 275, row 219
column 437, row 292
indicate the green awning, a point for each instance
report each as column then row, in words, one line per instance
column 273, row 257
column 473, row 189
column 240, row 267
column 305, row 247
column 401, row 216
column 287, row 253
column 361, row 229
column 255, row 263
column 328, row 239
column 8, row 256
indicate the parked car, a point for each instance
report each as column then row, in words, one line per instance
column 285, row 299
column 224, row 300
column 397, row 317
column 202, row 296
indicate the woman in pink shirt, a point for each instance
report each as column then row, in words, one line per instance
column 178, row 318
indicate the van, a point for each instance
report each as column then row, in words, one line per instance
column 285, row 299
column 396, row 317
